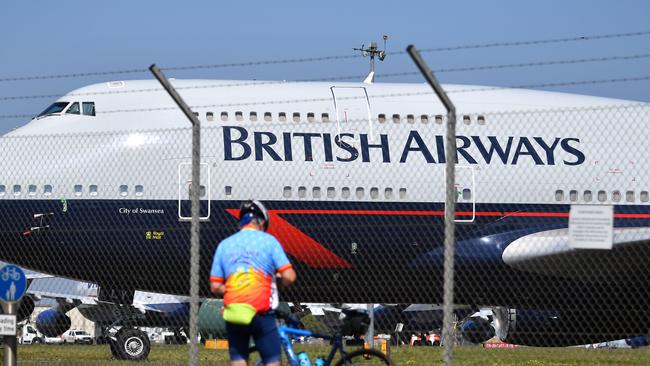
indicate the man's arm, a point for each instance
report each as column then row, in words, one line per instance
column 217, row 288
column 286, row 277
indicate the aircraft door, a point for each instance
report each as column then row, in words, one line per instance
column 185, row 190
column 352, row 112
column 465, row 183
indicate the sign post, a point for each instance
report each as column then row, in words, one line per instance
column 13, row 285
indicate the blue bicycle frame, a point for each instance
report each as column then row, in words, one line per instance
column 287, row 333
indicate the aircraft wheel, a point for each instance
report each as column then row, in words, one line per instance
column 132, row 344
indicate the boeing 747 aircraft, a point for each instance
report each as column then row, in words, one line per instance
column 96, row 188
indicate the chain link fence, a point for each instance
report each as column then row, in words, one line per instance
column 356, row 197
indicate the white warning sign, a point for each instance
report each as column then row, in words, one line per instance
column 591, row 227
column 8, row 325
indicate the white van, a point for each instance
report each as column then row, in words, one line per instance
column 30, row 335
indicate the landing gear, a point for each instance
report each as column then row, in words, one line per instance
column 130, row 344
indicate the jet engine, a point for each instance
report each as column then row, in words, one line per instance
column 211, row 323
column 52, row 322
column 553, row 328
column 477, row 329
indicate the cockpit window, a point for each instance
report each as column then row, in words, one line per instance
column 73, row 109
column 88, row 108
column 57, row 107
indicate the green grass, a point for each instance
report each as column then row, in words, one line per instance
column 60, row 355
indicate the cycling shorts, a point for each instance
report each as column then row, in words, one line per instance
column 264, row 331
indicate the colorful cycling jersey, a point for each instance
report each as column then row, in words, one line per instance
column 248, row 260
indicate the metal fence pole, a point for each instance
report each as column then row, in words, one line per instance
column 196, row 184
column 450, row 204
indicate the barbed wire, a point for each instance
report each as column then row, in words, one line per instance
column 389, row 95
column 329, row 58
column 338, row 78
column 306, row 100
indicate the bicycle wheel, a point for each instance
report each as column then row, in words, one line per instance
column 364, row 357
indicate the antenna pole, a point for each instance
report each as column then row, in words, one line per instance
column 371, row 52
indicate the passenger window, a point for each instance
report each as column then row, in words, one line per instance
column 286, row 192
column 573, row 195
column 325, row 117
column 396, row 118
column 467, row 120
column 345, row 192
column 467, row 194
column 228, row 190
column 359, row 192
column 402, row 193
column 78, row 190
column 410, row 118
column 381, row 118
column 224, row 116
column 480, row 120
column 424, row 118
column 602, row 196
column 47, row 190
column 616, row 196
column 73, row 109
column 202, row 191
column 439, row 119
column 253, row 116
column 3, row 189
column 17, row 190
column 644, row 196
column 31, row 190
column 239, row 116
column 282, row 117
column 310, row 117
column 629, row 196
column 209, row 116
column 267, row 116
column 139, row 190
column 124, row 190
column 587, row 196
column 92, row 189
column 302, row 192
column 559, row 195
column 88, row 108
column 374, row 193
column 296, row 117
column 315, row 192
column 331, row 192
column 388, row 193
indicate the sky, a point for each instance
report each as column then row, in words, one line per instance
column 63, row 37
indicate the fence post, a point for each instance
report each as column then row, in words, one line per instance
column 450, row 204
column 195, row 234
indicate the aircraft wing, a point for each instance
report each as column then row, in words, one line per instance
column 63, row 290
column 549, row 253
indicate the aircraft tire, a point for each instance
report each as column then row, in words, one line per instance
column 132, row 344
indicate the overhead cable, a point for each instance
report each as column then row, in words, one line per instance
column 330, row 58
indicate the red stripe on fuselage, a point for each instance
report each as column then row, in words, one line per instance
column 314, row 254
column 300, row 245
column 441, row 213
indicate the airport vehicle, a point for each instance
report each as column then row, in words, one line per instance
column 75, row 336
column 352, row 175
column 30, row 335
column 354, row 323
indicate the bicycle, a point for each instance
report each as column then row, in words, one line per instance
column 354, row 323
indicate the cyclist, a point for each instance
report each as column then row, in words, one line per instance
column 244, row 271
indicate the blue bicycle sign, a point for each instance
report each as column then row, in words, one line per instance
column 13, row 283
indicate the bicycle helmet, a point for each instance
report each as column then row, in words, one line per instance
column 253, row 209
